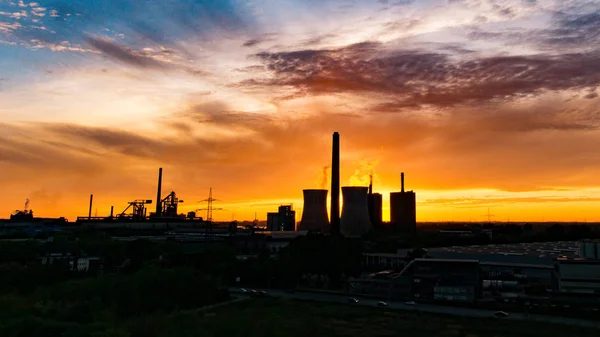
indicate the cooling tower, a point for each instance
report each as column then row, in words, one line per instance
column 314, row 213
column 355, row 212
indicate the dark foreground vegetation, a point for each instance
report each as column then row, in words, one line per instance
column 259, row 317
column 271, row 317
column 138, row 284
column 95, row 306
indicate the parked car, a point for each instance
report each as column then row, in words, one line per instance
column 500, row 314
column 352, row 300
column 382, row 304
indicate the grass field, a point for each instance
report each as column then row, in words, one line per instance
column 272, row 318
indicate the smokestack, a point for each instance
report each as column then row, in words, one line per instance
column 335, row 185
column 159, row 193
column 112, row 208
column 370, row 184
column 91, row 202
column 402, row 181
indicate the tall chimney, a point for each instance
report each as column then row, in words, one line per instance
column 370, row 184
column 402, row 181
column 335, row 185
column 159, row 193
column 112, row 208
column 91, row 202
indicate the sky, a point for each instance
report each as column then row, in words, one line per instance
column 484, row 104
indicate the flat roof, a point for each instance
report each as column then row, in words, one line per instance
column 521, row 265
column 532, row 249
column 577, row 261
column 448, row 260
column 384, row 255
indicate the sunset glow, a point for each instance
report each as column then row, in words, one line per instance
column 484, row 104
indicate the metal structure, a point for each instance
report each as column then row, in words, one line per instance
column 169, row 205
column 209, row 209
column 490, row 215
column 314, row 212
column 335, row 184
column 138, row 211
column 355, row 212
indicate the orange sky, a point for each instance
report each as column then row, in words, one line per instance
column 483, row 105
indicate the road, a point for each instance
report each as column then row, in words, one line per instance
column 429, row 308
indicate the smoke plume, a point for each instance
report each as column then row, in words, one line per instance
column 324, row 179
column 361, row 176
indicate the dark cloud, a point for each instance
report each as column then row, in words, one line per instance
column 125, row 143
column 18, row 149
column 417, row 78
column 121, row 53
column 319, row 39
column 252, row 42
column 260, row 39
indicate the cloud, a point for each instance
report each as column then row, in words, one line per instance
column 417, row 78
column 19, row 150
column 572, row 28
column 7, row 28
column 118, row 52
column 508, row 148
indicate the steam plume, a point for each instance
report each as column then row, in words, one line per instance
column 362, row 175
column 324, row 177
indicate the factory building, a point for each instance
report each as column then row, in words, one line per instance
column 375, row 204
column 355, row 212
column 314, row 213
column 403, row 210
column 376, row 210
column 445, row 280
column 532, row 279
column 283, row 220
column 579, row 276
column 589, row 249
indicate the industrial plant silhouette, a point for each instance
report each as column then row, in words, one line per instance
column 362, row 209
column 361, row 212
